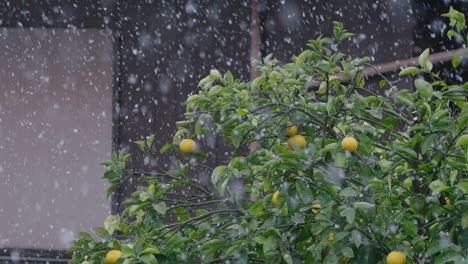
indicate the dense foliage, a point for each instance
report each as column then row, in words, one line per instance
column 403, row 189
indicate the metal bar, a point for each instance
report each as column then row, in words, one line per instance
column 393, row 66
column 255, row 48
column 7, row 258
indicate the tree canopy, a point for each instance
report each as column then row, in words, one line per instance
column 337, row 172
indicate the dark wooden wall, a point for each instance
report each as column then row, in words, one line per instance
column 165, row 48
column 56, row 13
column 383, row 30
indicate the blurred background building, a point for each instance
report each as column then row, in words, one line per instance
column 80, row 78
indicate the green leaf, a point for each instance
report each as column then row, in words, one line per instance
column 304, row 191
column 182, row 214
column 427, row 143
column 329, row 147
column 230, row 79
column 437, row 186
column 341, row 235
column 215, row 74
column 363, row 205
column 182, row 123
column 424, row 61
column 160, row 208
column 322, row 88
column 236, row 138
column 150, row 249
column 404, row 97
column 300, row 59
column 127, row 252
column 463, row 186
column 111, row 189
column 384, row 164
column 451, row 33
column 450, row 256
column 257, row 82
column 222, row 188
column 141, row 144
column 464, row 221
column 85, row 236
column 436, row 247
column 166, row 148
column 231, row 250
column 407, row 152
column 269, row 246
column 148, row 259
column 462, row 141
column 410, row 228
column 410, row 70
column 347, row 252
column 144, row 196
column 366, row 145
column 242, row 112
column 287, row 257
column 111, row 223
column 376, row 112
column 200, row 84
column 212, row 246
column 218, row 173
column 348, row 192
column 256, row 208
column 107, row 163
column 382, row 83
column 102, row 232
column 349, row 213
column 356, row 237
column 150, row 140
column 457, row 19
column 424, row 88
column 136, row 207
column 200, row 124
column 458, row 58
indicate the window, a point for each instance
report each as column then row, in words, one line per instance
column 55, row 127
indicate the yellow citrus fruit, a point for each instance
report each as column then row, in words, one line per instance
column 274, row 198
column 291, row 131
column 396, row 257
column 297, row 139
column 344, row 260
column 447, row 201
column 315, row 208
column 294, row 176
column 349, row 143
column 112, row 256
column 187, row 146
column 330, row 238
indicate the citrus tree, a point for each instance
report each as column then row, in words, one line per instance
column 323, row 170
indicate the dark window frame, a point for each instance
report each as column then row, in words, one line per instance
column 90, row 15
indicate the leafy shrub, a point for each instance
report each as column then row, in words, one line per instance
column 403, row 189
